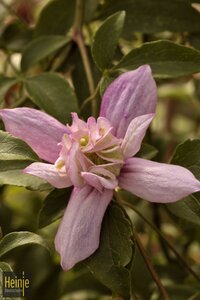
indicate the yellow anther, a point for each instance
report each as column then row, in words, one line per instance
column 83, row 141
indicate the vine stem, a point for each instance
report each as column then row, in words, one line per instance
column 147, row 261
column 78, row 38
column 180, row 258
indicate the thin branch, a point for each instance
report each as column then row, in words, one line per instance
column 78, row 38
column 150, row 267
column 180, row 258
column 92, row 97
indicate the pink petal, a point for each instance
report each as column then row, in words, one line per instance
column 49, row 173
column 135, row 134
column 79, row 232
column 157, row 182
column 100, row 178
column 131, row 95
column 39, row 130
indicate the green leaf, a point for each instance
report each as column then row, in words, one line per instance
column 52, row 93
column 187, row 155
column 12, row 148
column 12, row 174
column 187, row 209
column 154, row 15
column 166, row 59
column 147, row 151
column 5, row 84
column 40, row 48
column 56, row 17
column 54, row 206
column 15, row 36
column 108, row 263
column 17, row 239
column 106, row 39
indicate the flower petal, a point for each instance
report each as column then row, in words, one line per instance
column 39, row 130
column 131, row 95
column 79, row 232
column 135, row 134
column 100, row 178
column 49, row 173
column 157, row 182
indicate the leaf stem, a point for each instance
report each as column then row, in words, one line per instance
column 78, row 38
column 149, row 265
column 180, row 258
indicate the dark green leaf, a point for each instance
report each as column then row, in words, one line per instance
column 56, row 17
column 11, row 173
column 5, row 84
column 17, row 239
column 89, row 9
column 54, row 206
column 12, row 148
column 108, row 263
column 40, row 48
column 166, row 59
column 187, row 209
column 187, row 155
column 105, row 40
column 52, row 93
column 155, row 15
column 16, row 36
column 147, row 151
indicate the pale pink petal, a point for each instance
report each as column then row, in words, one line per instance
column 79, row 232
column 135, row 134
column 100, row 178
column 130, row 95
column 39, row 130
column 74, row 167
column 49, row 173
column 157, row 182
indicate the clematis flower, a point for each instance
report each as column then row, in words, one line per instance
column 96, row 157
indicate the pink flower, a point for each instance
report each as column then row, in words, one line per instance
column 96, row 157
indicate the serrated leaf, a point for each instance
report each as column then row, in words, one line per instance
column 108, row 263
column 167, row 59
column 56, row 17
column 17, row 239
column 40, row 48
column 52, row 93
column 54, row 206
column 106, row 39
column 5, row 84
column 154, row 15
column 12, row 148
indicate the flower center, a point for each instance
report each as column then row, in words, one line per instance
column 91, row 153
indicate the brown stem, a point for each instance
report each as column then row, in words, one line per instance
column 150, row 267
column 180, row 258
column 78, row 38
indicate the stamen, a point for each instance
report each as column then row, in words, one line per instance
column 83, row 141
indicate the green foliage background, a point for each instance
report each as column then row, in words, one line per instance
column 59, row 57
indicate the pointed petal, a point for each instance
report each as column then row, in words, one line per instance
column 49, row 173
column 79, row 232
column 135, row 134
column 131, row 95
column 39, row 130
column 157, row 182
